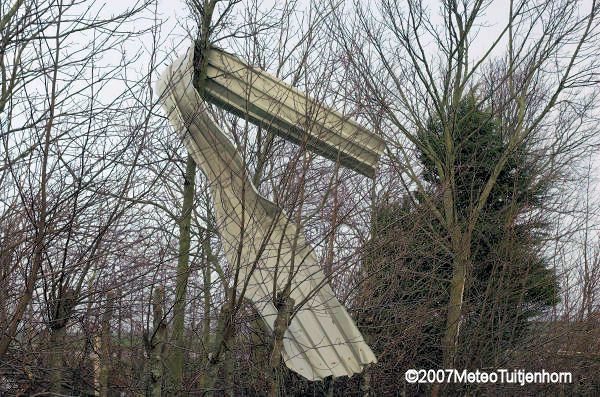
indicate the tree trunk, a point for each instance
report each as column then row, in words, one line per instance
column 11, row 329
column 209, row 376
column 96, row 363
column 221, row 339
column 60, row 308
column 365, row 385
column 104, row 348
column 328, row 268
column 228, row 369
column 183, row 271
column 56, row 366
column 155, row 345
column 455, row 305
column 285, row 305
column 206, row 280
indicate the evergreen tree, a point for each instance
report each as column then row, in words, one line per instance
column 509, row 282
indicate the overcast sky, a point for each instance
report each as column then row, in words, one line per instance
column 176, row 22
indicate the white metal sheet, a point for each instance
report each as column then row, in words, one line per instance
column 265, row 100
column 322, row 340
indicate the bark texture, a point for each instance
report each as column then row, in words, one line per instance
column 285, row 305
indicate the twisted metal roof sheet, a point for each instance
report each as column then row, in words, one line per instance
column 321, row 340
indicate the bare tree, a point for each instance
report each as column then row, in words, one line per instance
column 115, row 276
column 414, row 71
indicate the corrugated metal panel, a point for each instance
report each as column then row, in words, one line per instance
column 270, row 102
column 322, row 340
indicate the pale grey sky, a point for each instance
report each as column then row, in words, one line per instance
column 175, row 18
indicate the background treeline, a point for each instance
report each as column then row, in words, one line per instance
column 476, row 246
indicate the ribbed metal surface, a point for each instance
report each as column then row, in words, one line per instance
column 322, row 340
column 273, row 104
